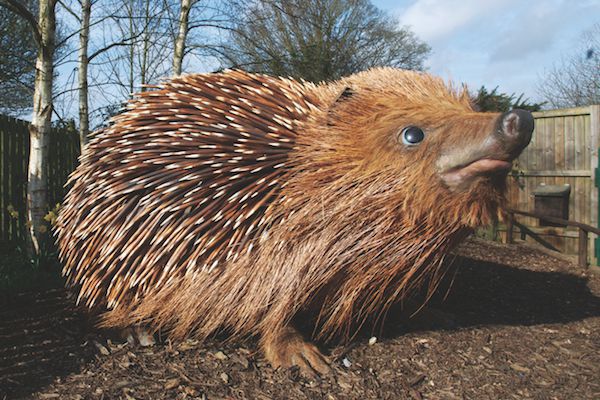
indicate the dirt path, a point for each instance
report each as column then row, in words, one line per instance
column 520, row 325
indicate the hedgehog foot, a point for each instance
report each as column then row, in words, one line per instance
column 137, row 335
column 288, row 348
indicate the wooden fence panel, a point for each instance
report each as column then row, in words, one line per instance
column 564, row 150
column 63, row 151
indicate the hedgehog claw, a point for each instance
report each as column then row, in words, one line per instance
column 288, row 349
column 137, row 335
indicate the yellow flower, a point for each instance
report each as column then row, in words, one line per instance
column 10, row 208
column 50, row 216
column 13, row 213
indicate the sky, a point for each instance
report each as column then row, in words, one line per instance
column 504, row 43
column 507, row 44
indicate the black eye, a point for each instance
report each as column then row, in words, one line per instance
column 412, row 135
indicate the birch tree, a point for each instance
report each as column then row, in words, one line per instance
column 144, row 58
column 82, row 73
column 44, row 29
column 178, row 53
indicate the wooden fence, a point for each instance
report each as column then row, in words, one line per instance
column 63, row 151
column 563, row 150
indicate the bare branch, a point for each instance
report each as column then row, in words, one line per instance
column 124, row 42
column 18, row 8
column 69, row 10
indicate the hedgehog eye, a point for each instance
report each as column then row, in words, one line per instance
column 412, row 135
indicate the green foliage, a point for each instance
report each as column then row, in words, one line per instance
column 494, row 101
column 107, row 112
column 18, row 52
column 18, row 273
column 318, row 40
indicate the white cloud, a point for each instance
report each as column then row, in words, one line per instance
column 432, row 20
column 508, row 43
column 536, row 28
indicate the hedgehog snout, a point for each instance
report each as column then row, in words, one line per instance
column 514, row 130
column 493, row 156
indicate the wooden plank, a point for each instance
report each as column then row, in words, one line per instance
column 15, row 179
column 548, row 162
column 594, row 135
column 24, row 167
column 562, row 112
column 578, row 189
column 559, row 145
column 584, row 122
column 563, row 173
column 52, row 161
column 12, row 163
column 569, row 143
column 560, row 140
column 52, row 164
column 20, row 177
column 3, row 178
column 587, row 183
column 537, row 146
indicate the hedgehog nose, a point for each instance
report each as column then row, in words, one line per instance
column 516, row 127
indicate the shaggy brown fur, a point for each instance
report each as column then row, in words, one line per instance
column 232, row 202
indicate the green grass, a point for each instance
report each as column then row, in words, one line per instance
column 18, row 273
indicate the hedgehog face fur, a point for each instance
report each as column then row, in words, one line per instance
column 234, row 202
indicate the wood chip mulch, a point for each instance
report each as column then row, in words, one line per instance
column 516, row 323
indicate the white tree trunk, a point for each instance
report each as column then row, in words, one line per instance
column 181, row 36
column 37, row 187
column 84, row 118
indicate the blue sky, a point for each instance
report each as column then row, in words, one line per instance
column 505, row 43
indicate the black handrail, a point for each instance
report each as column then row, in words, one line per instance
column 584, row 229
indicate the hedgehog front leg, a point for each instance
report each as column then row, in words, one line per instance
column 287, row 348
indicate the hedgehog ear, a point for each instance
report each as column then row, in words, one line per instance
column 342, row 96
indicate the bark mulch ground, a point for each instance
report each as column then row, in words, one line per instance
column 517, row 323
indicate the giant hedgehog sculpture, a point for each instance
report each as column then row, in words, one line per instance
column 234, row 202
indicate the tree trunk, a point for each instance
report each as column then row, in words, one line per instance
column 131, row 60
column 84, row 118
column 181, row 36
column 39, row 130
column 145, row 48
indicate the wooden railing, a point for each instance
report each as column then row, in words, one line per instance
column 584, row 229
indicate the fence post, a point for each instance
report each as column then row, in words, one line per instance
column 583, row 248
column 595, row 154
column 509, row 228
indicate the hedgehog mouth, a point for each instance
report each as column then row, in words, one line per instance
column 460, row 176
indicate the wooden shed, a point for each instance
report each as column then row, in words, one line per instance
column 563, row 150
